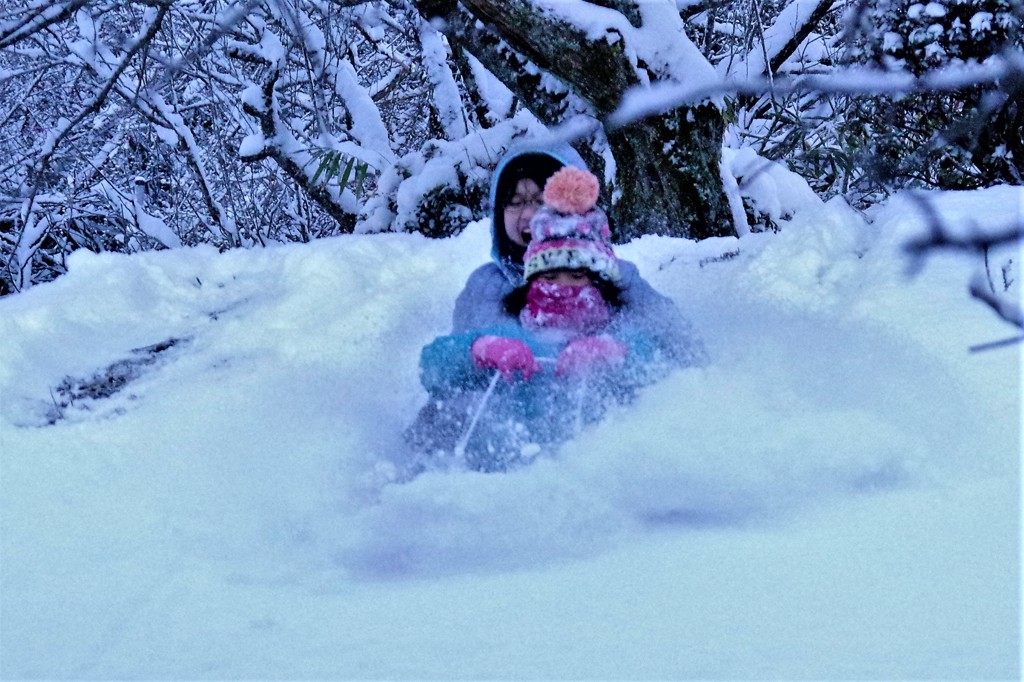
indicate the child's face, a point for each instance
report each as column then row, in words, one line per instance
column 574, row 278
column 520, row 208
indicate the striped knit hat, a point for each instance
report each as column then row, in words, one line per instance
column 569, row 231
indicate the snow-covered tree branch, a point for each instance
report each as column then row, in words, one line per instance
column 255, row 121
column 569, row 59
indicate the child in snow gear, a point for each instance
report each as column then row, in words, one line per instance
column 501, row 393
column 515, row 190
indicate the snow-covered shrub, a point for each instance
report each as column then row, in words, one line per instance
column 217, row 111
column 766, row 191
column 964, row 138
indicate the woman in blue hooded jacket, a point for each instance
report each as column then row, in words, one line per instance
column 516, row 194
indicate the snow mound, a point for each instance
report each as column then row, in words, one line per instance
column 198, row 442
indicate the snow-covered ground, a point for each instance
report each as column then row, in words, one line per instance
column 836, row 497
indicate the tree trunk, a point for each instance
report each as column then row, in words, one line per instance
column 680, row 186
column 667, row 178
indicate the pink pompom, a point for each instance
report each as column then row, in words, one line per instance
column 572, row 190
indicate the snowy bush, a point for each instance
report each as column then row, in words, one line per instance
column 965, row 138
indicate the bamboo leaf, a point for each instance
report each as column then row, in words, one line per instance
column 348, row 170
column 361, row 170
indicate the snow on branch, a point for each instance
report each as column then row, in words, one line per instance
column 642, row 102
column 37, row 17
column 981, row 290
column 225, row 22
column 436, row 59
column 30, row 239
column 780, row 40
column 277, row 142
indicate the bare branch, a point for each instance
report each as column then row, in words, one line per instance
column 1003, row 308
column 319, row 193
column 941, row 239
column 43, row 16
column 942, row 236
column 140, row 44
column 992, row 345
column 231, row 17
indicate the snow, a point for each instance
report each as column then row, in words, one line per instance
column 981, row 22
column 773, row 189
column 983, row 213
column 771, row 41
column 496, row 94
column 252, row 145
column 367, row 125
column 446, row 90
column 660, row 44
column 837, row 496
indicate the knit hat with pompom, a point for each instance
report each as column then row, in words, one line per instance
column 569, row 231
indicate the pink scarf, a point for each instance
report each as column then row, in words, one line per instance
column 578, row 310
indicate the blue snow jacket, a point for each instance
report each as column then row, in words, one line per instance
column 481, row 302
column 447, row 367
column 546, row 409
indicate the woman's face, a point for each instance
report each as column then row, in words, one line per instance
column 520, row 208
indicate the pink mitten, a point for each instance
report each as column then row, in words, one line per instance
column 583, row 356
column 506, row 355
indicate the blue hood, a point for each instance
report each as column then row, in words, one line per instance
column 508, row 255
